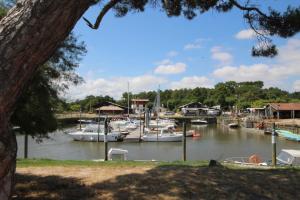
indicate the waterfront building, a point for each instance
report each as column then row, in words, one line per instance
column 110, row 108
column 138, row 105
column 193, row 109
column 283, row 110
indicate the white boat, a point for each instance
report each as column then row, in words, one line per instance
column 92, row 134
column 289, row 157
column 253, row 160
column 233, row 125
column 117, row 154
column 161, row 123
column 198, row 121
column 124, row 125
column 165, row 135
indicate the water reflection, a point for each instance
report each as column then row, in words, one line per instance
column 215, row 142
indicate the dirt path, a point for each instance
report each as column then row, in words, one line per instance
column 88, row 175
column 155, row 182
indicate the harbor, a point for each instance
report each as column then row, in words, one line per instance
column 215, row 142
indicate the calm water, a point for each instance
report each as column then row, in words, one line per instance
column 216, row 142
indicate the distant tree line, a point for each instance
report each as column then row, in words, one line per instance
column 227, row 95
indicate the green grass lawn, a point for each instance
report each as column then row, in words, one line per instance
column 49, row 162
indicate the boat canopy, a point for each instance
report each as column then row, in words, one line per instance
column 117, row 154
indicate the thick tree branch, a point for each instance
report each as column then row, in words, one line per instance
column 103, row 12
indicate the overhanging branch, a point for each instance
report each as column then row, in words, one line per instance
column 245, row 8
column 103, row 12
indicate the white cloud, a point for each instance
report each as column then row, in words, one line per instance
column 296, row 86
column 115, row 87
column 243, row 72
column 220, row 55
column 164, row 62
column 194, row 45
column 172, row 53
column 169, row 68
column 192, row 82
column 285, row 66
column 245, row 34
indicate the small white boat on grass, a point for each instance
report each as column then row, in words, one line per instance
column 93, row 133
column 289, row 157
column 286, row 157
column 165, row 135
column 253, row 160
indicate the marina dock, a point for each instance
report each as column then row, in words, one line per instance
column 134, row 136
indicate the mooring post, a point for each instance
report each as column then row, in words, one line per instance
column 105, row 138
column 80, row 118
column 98, row 130
column 140, row 127
column 26, row 146
column 273, row 146
column 184, row 140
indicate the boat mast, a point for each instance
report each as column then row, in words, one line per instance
column 158, row 100
column 128, row 98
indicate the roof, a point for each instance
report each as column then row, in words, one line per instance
column 144, row 100
column 110, row 108
column 285, row 106
column 115, row 104
column 292, row 152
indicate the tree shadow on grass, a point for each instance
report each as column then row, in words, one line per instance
column 172, row 182
column 185, row 182
column 31, row 187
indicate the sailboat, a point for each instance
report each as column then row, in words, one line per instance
column 159, row 123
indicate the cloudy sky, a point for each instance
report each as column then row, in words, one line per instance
column 149, row 49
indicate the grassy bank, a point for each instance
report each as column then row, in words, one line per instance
column 88, row 163
column 88, row 180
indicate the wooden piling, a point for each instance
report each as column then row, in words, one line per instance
column 26, row 146
column 184, row 141
column 105, row 138
column 273, row 145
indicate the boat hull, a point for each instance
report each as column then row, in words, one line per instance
column 93, row 137
column 154, row 138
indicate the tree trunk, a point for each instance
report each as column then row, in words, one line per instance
column 29, row 35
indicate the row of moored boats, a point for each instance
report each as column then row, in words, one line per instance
column 159, row 130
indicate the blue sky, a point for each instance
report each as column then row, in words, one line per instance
column 149, row 49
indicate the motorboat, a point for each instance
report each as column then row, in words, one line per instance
column 288, row 135
column 233, row 125
column 198, row 121
column 94, row 133
column 161, row 123
column 165, row 135
column 124, row 125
